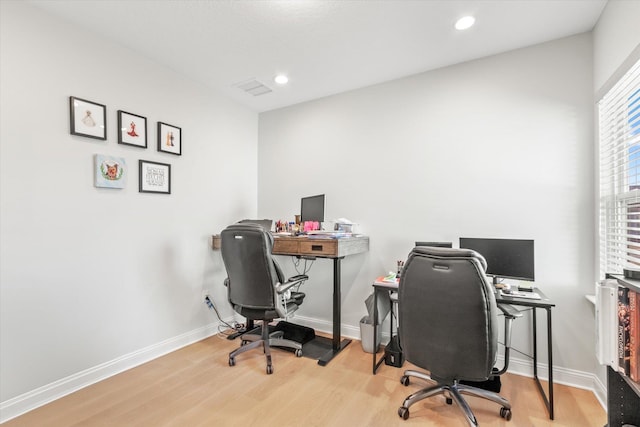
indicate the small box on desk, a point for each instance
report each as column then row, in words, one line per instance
column 393, row 353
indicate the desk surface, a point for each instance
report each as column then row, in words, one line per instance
column 543, row 302
column 320, row 247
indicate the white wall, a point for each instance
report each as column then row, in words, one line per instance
column 91, row 275
column 498, row 147
column 615, row 36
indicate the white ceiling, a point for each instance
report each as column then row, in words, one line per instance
column 325, row 46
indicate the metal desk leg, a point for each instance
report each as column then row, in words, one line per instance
column 375, row 328
column 336, row 344
column 548, row 401
column 549, row 350
column 376, row 363
column 535, row 345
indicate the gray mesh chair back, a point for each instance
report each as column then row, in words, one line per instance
column 252, row 272
column 256, row 286
column 448, row 324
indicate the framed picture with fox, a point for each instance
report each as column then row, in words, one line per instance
column 110, row 171
column 169, row 139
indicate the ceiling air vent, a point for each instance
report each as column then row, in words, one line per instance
column 253, row 87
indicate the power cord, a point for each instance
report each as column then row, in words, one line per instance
column 305, row 269
column 236, row 327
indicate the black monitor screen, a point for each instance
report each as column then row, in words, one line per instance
column 509, row 258
column 312, row 208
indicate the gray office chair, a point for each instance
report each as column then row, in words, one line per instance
column 256, row 287
column 448, row 325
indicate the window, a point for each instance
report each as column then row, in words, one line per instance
column 619, row 124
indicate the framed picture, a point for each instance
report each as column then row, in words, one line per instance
column 132, row 129
column 88, row 118
column 110, row 172
column 154, row 177
column 169, row 139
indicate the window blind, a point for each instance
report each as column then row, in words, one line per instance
column 619, row 143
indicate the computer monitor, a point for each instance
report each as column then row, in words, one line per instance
column 312, row 208
column 506, row 258
column 436, row 244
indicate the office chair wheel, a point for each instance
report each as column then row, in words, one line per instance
column 404, row 380
column 505, row 413
column 232, row 361
column 403, row 412
column 299, row 352
column 269, row 369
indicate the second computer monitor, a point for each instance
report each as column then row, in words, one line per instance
column 506, row 258
column 312, row 208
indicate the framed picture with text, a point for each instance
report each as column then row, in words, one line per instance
column 132, row 129
column 87, row 118
column 154, row 177
column 169, row 139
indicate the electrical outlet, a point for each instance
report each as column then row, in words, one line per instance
column 205, row 294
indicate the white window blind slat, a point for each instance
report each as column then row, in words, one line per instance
column 619, row 148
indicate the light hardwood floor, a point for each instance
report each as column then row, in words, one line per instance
column 195, row 386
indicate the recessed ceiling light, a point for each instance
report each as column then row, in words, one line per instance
column 281, row 79
column 465, row 22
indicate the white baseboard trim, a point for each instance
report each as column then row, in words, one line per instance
column 565, row 376
column 524, row 367
column 26, row 402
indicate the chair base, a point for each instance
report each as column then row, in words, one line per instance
column 453, row 392
column 266, row 340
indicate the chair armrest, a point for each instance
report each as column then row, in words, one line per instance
column 291, row 282
column 509, row 311
column 299, row 277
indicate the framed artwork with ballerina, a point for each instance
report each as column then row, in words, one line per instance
column 87, row 118
column 169, row 139
column 132, row 129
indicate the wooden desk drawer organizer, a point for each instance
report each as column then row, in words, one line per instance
column 295, row 246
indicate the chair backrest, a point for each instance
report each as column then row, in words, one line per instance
column 264, row 223
column 252, row 271
column 436, row 244
column 447, row 314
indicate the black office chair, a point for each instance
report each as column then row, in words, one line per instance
column 256, row 287
column 448, row 325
